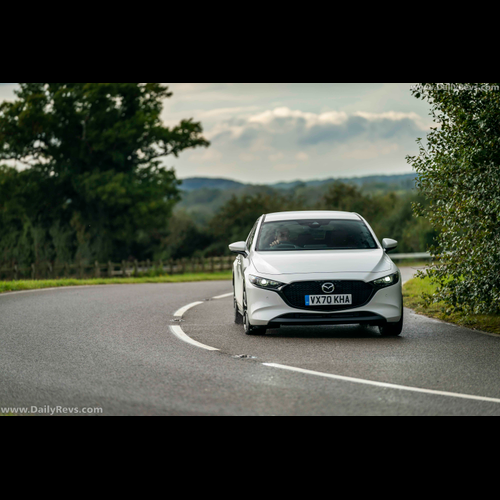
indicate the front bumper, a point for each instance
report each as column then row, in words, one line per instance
column 267, row 308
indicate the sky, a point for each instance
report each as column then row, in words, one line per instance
column 272, row 132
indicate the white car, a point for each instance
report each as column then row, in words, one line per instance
column 315, row 268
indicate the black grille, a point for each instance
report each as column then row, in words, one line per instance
column 294, row 294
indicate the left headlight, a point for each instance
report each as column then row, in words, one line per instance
column 264, row 282
column 389, row 280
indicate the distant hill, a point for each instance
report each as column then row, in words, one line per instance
column 193, row 183
column 404, row 181
column 203, row 196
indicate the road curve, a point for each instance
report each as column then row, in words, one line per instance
column 112, row 347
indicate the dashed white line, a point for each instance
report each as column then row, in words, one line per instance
column 383, row 384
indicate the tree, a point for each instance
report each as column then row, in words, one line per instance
column 460, row 176
column 235, row 219
column 94, row 151
column 349, row 198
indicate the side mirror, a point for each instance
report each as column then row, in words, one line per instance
column 389, row 244
column 240, row 248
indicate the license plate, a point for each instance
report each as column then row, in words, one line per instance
column 328, row 300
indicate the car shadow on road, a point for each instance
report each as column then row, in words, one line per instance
column 340, row 331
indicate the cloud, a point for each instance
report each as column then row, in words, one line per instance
column 281, row 143
column 285, row 128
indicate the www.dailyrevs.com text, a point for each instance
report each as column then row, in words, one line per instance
column 50, row 410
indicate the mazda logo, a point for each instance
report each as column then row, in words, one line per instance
column 328, row 287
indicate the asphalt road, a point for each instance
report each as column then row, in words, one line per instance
column 111, row 350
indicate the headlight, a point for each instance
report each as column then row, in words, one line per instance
column 389, row 280
column 264, row 282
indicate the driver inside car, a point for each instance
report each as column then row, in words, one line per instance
column 281, row 236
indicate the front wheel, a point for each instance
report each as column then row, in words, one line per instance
column 392, row 329
column 238, row 318
column 250, row 329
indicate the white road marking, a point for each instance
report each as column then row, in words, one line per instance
column 180, row 312
column 383, row 384
column 177, row 331
column 223, row 296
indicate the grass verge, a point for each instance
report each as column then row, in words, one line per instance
column 14, row 286
column 413, row 291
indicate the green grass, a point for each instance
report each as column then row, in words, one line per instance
column 413, row 291
column 13, row 286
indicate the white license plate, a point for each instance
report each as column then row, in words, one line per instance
column 328, row 300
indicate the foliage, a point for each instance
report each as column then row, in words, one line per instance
column 460, row 177
column 236, row 218
column 184, row 238
column 389, row 214
column 93, row 185
column 415, row 292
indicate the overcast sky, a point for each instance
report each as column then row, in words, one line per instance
column 270, row 132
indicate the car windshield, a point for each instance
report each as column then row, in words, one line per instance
column 315, row 234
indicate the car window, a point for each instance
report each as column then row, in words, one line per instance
column 315, row 234
column 252, row 234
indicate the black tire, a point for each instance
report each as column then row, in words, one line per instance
column 392, row 329
column 250, row 329
column 238, row 318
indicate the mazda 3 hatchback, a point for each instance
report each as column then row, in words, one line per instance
column 315, row 268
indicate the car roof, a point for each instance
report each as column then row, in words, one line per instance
column 311, row 214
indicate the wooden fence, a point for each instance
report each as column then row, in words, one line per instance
column 49, row 270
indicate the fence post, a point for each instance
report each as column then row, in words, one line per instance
column 16, row 272
column 80, row 270
column 97, row 269
column 148, row 265
column 124, row 269
column 212, row 264
column 110, row 269
column 171, row 265
column 136, row 265
column 33, row 271
column 49, row 271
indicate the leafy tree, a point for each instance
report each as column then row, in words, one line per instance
column 235, row 219
column 349, row 198
column 184, row 238
column 93, row 152
column 460, row 175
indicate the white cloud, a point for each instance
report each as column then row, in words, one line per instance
column 248, row 157
column 206, row 155
column 7, row 91
column 369, row 151
column 276, row 156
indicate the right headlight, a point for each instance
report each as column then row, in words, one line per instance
column 388, row 280
column 264, row 282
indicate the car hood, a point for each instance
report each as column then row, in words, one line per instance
column 314, row 261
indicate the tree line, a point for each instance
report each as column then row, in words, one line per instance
column 390, row 214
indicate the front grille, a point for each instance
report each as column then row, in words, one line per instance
column 294, row 293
